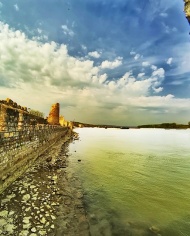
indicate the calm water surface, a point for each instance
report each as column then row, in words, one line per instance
column 136, row 181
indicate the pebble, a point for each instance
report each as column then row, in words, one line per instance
column 54, row 177
column 26, row 197
column 2, row 222
column 23, row 233
column 26, row 226
column 11, row 196
column 53, row 217
column 11, row 213
column 9, row 228
column 26, row 220
column 43, row 220
column 4, row 214
column 47, row 224
column 33, row 230
column 42, row 232
column 154, row 229
column 10, row 220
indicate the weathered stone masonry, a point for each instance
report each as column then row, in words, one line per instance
column 187, row 9
column 13, row 117
column 23, row 138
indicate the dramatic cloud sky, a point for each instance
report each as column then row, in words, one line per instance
column 122, row 62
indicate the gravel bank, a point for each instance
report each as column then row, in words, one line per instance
column 46, row 200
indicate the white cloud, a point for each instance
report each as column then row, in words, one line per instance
column 94, row 54
column 1, row 4
column 145, row 63
column 153, row 67
column 182, row 59
column 67, row 31
column 39, row 30
column 137, row 56
column 37, row 74
column 111, row 64
column 158, row 90
column 159, row 72
column 103, row 78
column 164, row 14
column 132, row 53
column 174, row 29
column 140, row 75
column 40, row 38
column 84, row 47
column 157, row 79
column 169, row 61
column 24, row 60
column 177, row 82
column 16, row 7
column 168, row 29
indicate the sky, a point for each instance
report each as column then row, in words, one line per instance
column 124, row 62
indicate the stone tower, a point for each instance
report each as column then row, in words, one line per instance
column 53, row 118
column 62, row 120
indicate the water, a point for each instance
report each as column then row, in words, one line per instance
column 136, row 181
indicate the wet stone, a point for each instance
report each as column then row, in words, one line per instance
column 2, row 222
column 9, row 228
column 154, row 229
column 4, row 214
column 26, row 226
column 42, row 232
column 26, row 197
column 23, row 233
column 11, row 213
column 43, row 220
column 33, row 230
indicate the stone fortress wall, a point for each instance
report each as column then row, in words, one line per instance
column 24, row 136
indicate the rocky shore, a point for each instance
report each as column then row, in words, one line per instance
column 46, row 200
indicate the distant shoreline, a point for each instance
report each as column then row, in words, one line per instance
column 158, row 126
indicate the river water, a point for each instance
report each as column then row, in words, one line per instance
column 136, row 181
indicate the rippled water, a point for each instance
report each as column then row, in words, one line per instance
column 136, row 181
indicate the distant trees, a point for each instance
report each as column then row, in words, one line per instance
column 189, row 124
column 166, row 126
column 36, row 113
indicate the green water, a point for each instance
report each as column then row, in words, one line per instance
column 135, row 179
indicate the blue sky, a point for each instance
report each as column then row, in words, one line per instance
column 105, row 61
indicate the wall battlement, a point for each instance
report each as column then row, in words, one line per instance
column 14, row 117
